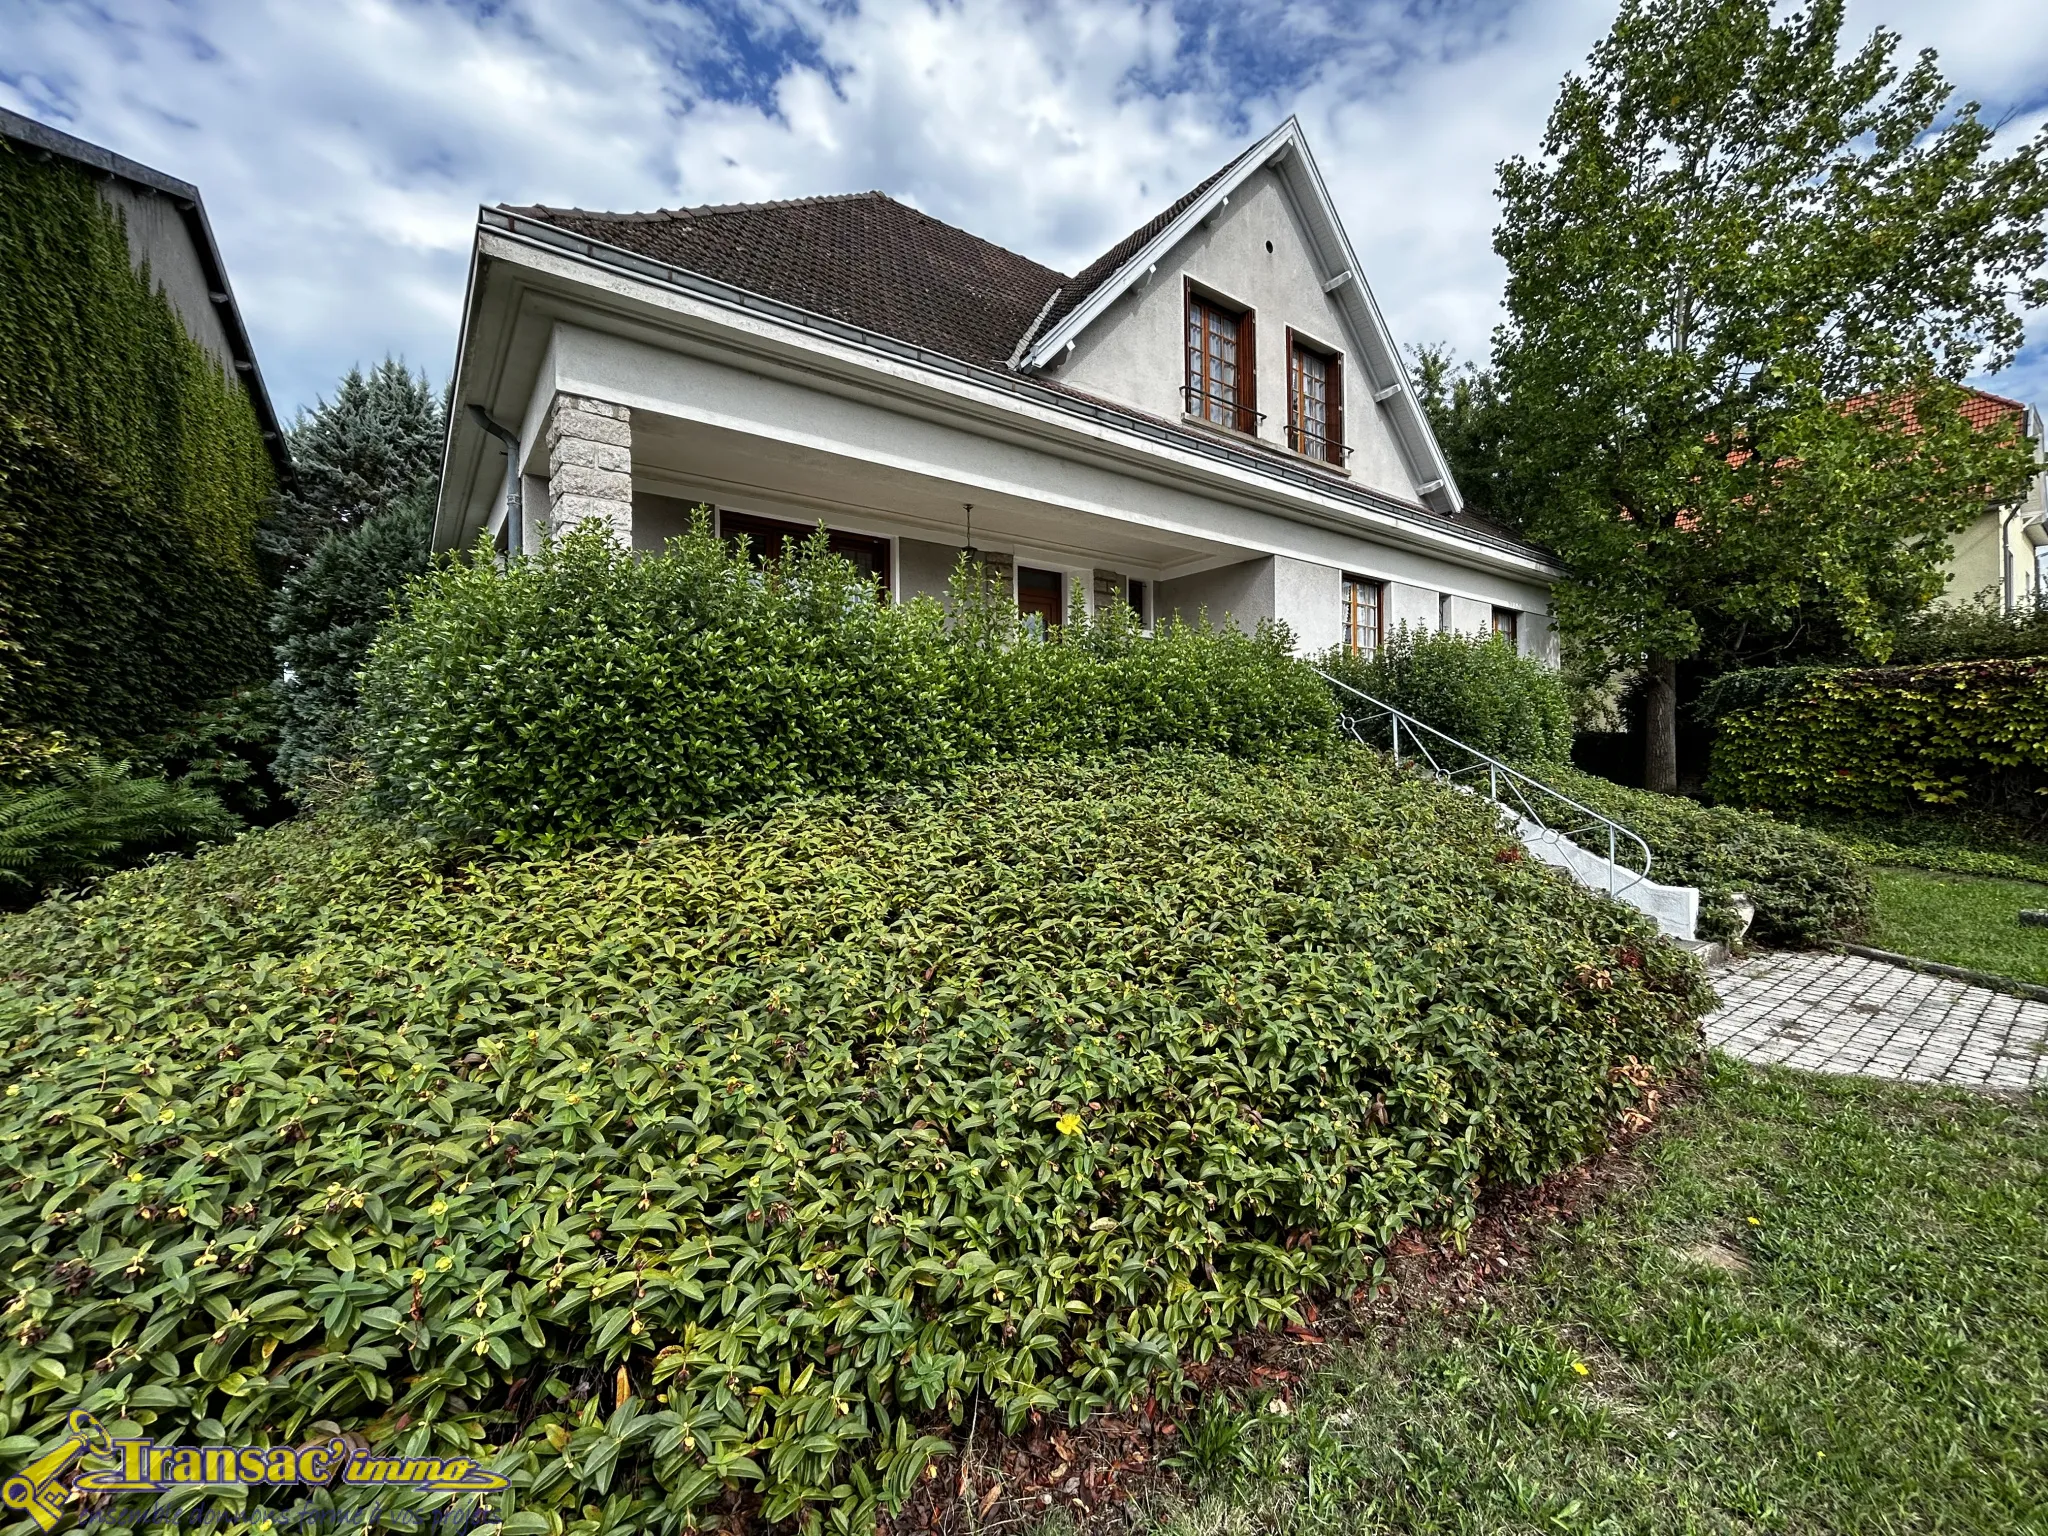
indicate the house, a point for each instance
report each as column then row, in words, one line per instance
column 1998, row 556
column 1211, row 417
column 165, row 225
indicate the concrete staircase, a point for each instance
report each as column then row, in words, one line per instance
column 1552, row 826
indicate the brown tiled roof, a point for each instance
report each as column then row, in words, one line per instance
column 1104, row 267
column 863, row 258
column 1980, row 408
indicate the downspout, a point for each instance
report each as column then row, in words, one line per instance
column 2005, row 550
column 515, row 533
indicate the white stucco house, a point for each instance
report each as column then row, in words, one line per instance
column 1997, row 558
column 1212, row 416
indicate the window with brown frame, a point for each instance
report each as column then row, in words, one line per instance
column 768, row 536
column 1508, row 625
column 1221, row 383
column 1365, row 614
column 1315, row 400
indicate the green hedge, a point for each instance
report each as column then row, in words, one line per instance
column 1807, row 887
column 743, row 1158
column 590, row 692
column 132, row 477
column 1477, row 688
column 115, row 620
column 1886, row 740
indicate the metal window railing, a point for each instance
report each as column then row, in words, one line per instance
column 1451, row 761
column 1228, row 411
column 1315, row 445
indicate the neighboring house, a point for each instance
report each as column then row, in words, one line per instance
column 166, row 228
column 1999, row 554
column 1211, row 417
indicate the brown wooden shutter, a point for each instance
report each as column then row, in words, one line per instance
column 1293, row 391
column 1247, row 375
column 1333, row 408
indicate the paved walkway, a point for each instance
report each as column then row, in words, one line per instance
column 1843, row 1013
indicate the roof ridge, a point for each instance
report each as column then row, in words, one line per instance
column 694, row 210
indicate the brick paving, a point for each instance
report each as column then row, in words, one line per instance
column 1843, row 1013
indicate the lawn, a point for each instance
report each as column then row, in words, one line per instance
column 1822, row 1310
column 1962, row 920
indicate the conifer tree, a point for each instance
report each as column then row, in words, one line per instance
column 376, row 443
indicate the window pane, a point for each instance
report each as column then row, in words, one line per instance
column 1309, row 402
column 1212, row 363
column 1362, row 609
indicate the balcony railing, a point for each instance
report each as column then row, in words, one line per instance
column 1375, row 723
column 1315, row 445
column 1221, row 410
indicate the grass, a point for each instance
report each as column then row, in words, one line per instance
column 1823, row 1310
column 1962, row 920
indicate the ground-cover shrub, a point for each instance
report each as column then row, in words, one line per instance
column 1477, row 688
column 1965, row 842
column 749, row 1157
column 1806, row 887
column 590, row 692
column 1887, row 740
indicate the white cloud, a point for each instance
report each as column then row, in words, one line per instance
column 343, row 147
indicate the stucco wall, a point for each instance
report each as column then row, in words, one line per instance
column 1309, row 599
column 1137, row 352
column 157, row 234
column 923, row 567
column 1241, row 593
column 1416, row 607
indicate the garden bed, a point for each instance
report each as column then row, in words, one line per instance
column 743, row 1161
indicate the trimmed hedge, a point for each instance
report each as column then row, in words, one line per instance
column 132, row 477
column 1807, row 887
column 1477, row 688
column 590, row 692
column 747, row 1159
column 1886, row 740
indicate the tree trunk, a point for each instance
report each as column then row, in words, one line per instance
column 1660, row 727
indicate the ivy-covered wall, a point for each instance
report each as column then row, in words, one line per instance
column 132, row 476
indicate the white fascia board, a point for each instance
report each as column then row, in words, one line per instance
column 1286, row 149
column 618, row 285
column 1197, row 213
column 1356, row 297
column 459, row 433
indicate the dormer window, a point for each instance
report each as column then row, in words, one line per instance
column 1315, row 400
column 1221, row 365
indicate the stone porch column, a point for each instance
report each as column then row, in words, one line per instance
column 590, row 466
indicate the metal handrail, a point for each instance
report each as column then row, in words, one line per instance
column 1502, row 782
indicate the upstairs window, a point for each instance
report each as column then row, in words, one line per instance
column 1315, row 401
column 1220, row 385
column 1364, row 614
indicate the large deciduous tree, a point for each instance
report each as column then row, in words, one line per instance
column 1739, row 274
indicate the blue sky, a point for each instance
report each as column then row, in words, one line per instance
column 343, row 146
